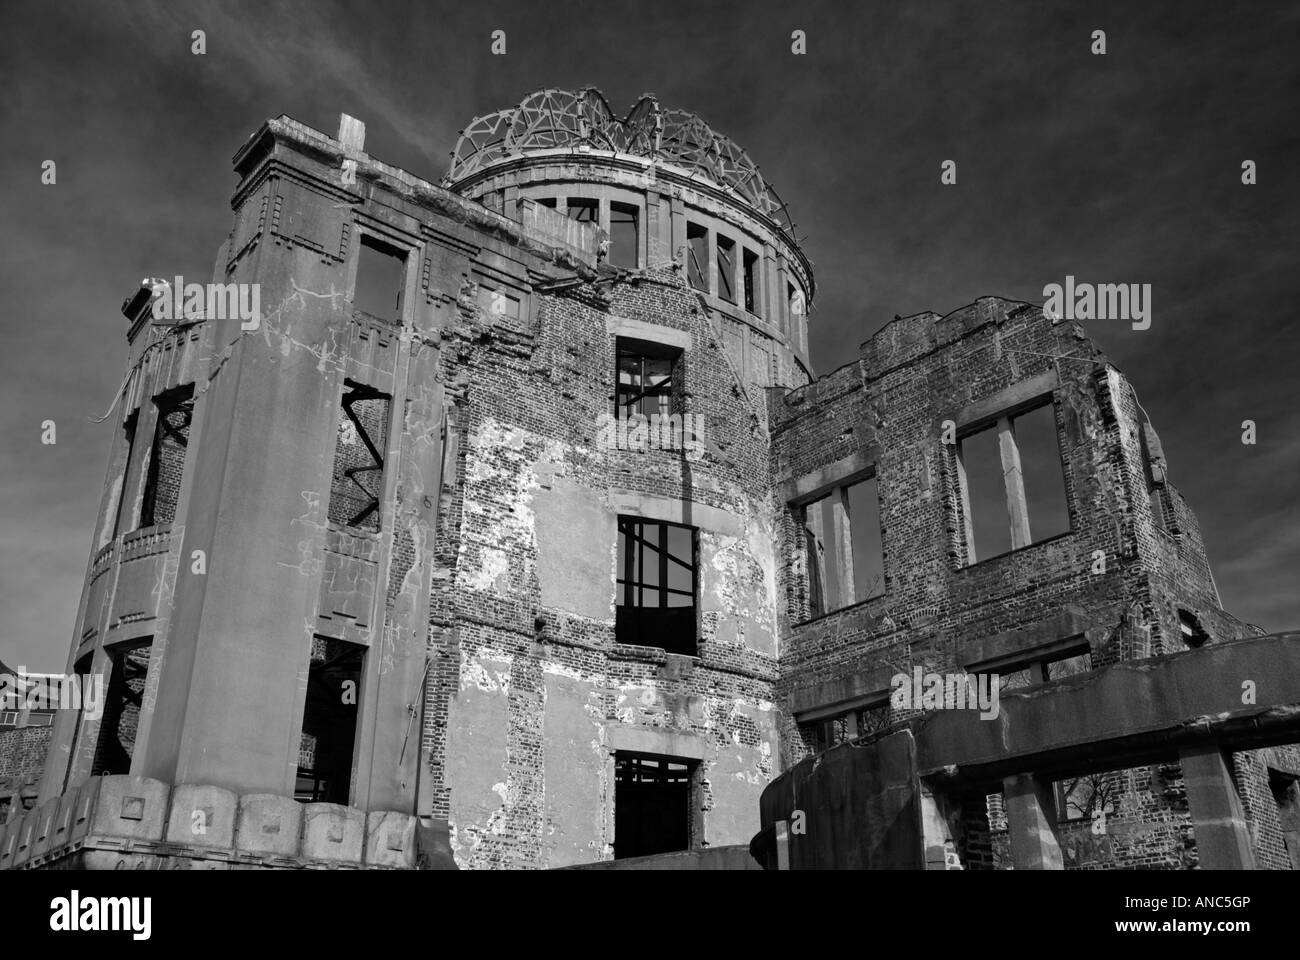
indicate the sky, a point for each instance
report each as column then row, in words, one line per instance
column 1117, row 168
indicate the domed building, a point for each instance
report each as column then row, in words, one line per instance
column 499, row 522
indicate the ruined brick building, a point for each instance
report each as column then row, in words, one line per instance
column 515, row 532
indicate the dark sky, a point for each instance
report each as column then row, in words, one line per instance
column 1117, row 168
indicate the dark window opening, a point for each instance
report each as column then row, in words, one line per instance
column 167, row 457
column 751, row 280
column 1040, row 464
column 357, row 482
column 647, row 373
column 986, row 494
column 656, row 585
column 652, row 805
column 623, row 235
column 726, row 268
column 697, row 256
column 1189, row 626
column 329, row 721
column 584, row 210
column 547, row 202
column 1012, row 484
column 120, row 720
column 381, row 273
column 125, row 493
column 844, row 548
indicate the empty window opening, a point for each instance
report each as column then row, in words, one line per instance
column 646, row 375
column 1040, row 463
column 1067, row 663
column 697, row 256
column 652, row 805
column 656, row 585
column 584, row 210
column 381, row 273
column 623, row 235
column 120, row 720
column 751, row 280
column 358, row 479
column 1012, row 484
column 1189, row 627
column 329, row 721
column 850, row 725
column 547, row 202
column 497, row 303
column 844, row 547
column 167, row 457
column 1088, row 797
column 119, row 515
column 726, row 268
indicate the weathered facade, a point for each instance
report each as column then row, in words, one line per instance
column 513, row 532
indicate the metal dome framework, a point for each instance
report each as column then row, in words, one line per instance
column 563, row 119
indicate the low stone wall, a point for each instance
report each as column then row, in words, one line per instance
column 138, row 823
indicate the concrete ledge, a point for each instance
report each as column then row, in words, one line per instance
column 688, row 746
column 1134, row 712
column 640, row 330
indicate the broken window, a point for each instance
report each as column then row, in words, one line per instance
column 697, row 256
column 726, row 248
column 1012, row 484
column 329, row 721
column 656, row 585
column 844, row 549
column 357, row 483
column 750, row 262
column 120, row 719
column 167, row 456
column 381, row 271
column 1189, row 627
column 646, row 372
column 623, row 235
column 584, row 210
column 652, row 805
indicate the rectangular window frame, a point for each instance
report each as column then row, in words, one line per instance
column 1012, row 479
column 632, row 578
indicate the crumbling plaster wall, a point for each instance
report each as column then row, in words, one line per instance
column 536, row 695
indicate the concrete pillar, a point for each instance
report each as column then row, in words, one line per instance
column 843, row 546
column 1031, row 823
column 940, row 850
column 1014, row 479
column 1222, row 838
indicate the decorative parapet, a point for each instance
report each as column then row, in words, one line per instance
column 139, row 823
